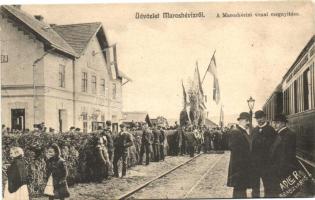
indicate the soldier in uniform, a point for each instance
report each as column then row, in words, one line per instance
column 199, row 139
column 178, row 140
column 283, row 152
column 122, row 142
column 102, row 160
column 162, row 139
column 191, row 141
column 156, row 143
column 240, row 159
column 263, row 137
column 146, row 142
column 207, row 140
column 107, row 134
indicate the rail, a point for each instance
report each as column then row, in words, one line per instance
column 129, row 193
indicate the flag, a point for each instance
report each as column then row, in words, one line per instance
column 111, row 60
column 184, row 96
column 198, row 88
column 148, row 121
column 221, row 117
column 197, row 80
column 212, row 68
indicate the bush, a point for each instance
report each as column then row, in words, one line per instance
column 76, row 148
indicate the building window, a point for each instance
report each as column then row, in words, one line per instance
column 85, row 124
column 103, row 118
column 93, row 84
column 114, row 90
column 62, row 75
column 84, row 82
column 85, row 127
column 103, row 86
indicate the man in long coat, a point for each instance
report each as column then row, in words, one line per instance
column 156, row 143
column 263, row 137
column 146, row 142
column 240, row 160
column 122, row 142
column 191, row 141
column 283, row 152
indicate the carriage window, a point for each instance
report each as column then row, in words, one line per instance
column 295, row 101
column 307, row 88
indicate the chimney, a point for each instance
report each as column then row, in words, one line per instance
column 39, row 17
column 17, row 6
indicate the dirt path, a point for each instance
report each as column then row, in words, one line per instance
column 115, row 187
column 178, row 183
column 213, row 185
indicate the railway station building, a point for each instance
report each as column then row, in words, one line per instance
column 62, row 75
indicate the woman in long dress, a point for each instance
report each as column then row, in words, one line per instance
column 16, row 186
column 57, row 187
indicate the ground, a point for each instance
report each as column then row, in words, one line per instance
column 174, row 185
column 203, row 177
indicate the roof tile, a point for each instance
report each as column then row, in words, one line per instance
column 78, row 35
column 42, row 29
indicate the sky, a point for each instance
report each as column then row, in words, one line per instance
column 252, row 54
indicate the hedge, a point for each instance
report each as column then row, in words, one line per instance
column 75, row 149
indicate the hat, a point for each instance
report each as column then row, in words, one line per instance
column 122, row 125
column 108, row 123
column 280, row 118
column 244, row 115
column 259, row 114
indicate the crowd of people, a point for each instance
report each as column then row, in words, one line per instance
column 266, row 153
column 18, row 175
column 192, row 138
column 108, row 148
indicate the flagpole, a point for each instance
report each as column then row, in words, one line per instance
column 208, row 67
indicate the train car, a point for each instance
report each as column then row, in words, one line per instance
column 299, row 100
column 274, row 104
column 297, row 91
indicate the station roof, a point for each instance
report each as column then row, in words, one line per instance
column 41, row 30
column 78, row 35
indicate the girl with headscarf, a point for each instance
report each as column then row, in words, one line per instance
column 56, row 169
column 16, row 186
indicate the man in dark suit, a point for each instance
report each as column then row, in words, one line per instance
column 122, row 142
column 240, row 160
column 283, row 151
column 146, row 142
column 263, row 136
column 156, row 143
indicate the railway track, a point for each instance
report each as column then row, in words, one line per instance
column 181, row 169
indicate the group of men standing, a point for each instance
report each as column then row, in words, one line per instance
column 190, row 139
column 110, row 149
column 267, row 153
column 152, row 139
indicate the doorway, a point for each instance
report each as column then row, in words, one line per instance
column 18, row 119
column 62, row 120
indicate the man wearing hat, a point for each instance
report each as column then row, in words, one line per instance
column 107, row 133
column 283, row 150
column 156, row 143
column 146, row 142
column 240, row 160
column 162, row 139
column 263, row 137
column 122, row 142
